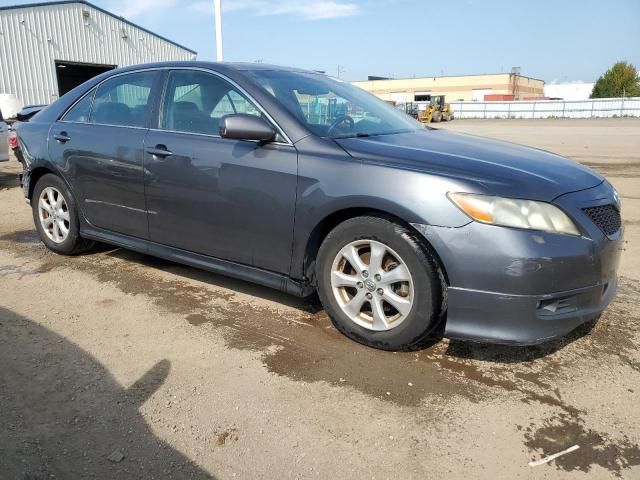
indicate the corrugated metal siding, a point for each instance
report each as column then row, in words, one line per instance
column 32, row 39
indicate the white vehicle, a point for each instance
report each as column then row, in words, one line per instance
column 4, row 147
column 10, row 105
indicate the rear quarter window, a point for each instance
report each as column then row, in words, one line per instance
column 81, row 111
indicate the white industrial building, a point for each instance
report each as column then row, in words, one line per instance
column 46, row 49
column 568, row 91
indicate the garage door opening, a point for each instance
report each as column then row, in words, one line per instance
column 71, row 74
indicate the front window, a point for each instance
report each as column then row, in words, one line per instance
column 195, row 102
column 331, row 108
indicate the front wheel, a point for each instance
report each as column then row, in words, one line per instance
column 379, row 285
column 56, row 216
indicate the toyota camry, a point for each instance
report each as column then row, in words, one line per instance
column 303, row 183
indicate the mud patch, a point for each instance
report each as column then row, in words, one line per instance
column 197, row 319
column 8, row 180
column 564, row 430
column 616, row 331
column 20, row 271
column 226, row 436
column 613, row 169
column 22, row 236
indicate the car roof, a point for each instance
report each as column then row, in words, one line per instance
column 238, row 66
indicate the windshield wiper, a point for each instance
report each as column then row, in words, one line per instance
column 372, row 134
column 355, row 135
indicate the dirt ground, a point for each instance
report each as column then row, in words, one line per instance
column 118, row 365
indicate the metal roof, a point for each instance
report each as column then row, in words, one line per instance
column 428, row 77
column 89, row 4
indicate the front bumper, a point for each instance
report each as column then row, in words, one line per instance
column 523, row 319
column 525, row 287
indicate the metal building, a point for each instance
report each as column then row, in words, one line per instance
column 46, row 49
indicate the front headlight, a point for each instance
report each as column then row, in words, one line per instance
column 511, row 212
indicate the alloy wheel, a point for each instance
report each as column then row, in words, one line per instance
column 53, row 212
column 372, row 285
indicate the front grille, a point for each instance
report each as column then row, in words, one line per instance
column 606, row 218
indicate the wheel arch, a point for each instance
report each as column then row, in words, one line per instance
column 42, row 169
column 332, row 220
column 36, row 174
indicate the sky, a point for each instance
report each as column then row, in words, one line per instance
column 557, row 41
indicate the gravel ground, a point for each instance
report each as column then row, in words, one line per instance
column 118, row 365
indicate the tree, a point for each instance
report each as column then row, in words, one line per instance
column 621, row 80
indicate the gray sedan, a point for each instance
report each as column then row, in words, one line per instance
column 303, row 183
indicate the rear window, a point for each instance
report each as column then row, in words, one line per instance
column 124, row 100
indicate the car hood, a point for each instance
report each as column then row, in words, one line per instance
column 502, row 168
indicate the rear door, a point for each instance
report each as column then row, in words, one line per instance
column 98, row 144
column 230, row 199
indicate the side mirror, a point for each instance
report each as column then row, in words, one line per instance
column 246, row 127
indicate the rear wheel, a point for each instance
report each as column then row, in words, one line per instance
column 379, row 285
column 56, row 217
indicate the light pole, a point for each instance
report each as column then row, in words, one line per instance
column 218, row 18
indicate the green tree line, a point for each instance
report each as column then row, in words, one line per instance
column 621, row 80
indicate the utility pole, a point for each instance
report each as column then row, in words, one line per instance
column 340, row 70
column 218, row 19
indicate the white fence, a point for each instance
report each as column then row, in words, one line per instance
column 601, row 107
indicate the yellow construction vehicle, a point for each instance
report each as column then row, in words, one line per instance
column 429, row 114
column 436, row 111
column 443, row 111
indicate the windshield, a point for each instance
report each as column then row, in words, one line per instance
column 331, row 108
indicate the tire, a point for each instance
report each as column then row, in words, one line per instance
column 70, row 243
column 425, row 290
column 437, row 116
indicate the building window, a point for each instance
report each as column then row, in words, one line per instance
column 422, row 97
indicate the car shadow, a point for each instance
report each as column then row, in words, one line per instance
column 65, row 416
column 309, row 304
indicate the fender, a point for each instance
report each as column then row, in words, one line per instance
column 411, row 196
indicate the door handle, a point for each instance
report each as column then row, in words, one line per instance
column 62, row 137
column 159, row 151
